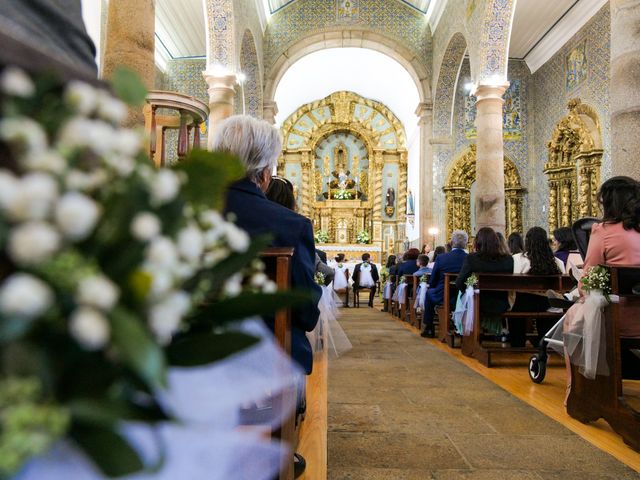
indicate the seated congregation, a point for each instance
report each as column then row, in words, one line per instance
column 577, row 292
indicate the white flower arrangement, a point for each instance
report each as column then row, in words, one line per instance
column 106, row 263
column 321, row 236
column 319, row 278
column 363, row 237
column 342, row 195
column 597, row 278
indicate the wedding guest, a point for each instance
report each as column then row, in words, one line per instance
column 426, row 250
column 365, row 275
column 423, row 266
column 392, row 265
column 515, row 243
column 565, row 248
column 488, row 256
column 450, row 262
column 409, row 265
column 257, row 144
column 504, row 248
column 341, row 278
column 438, row 251
column 615, row 241
column 537, row 259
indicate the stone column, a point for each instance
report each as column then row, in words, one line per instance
column 625, row 95
column 221, row 93
column 425, row 114
column 489, row 196
column 130, row 43
column 269, row 111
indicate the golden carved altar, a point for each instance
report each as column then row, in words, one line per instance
column 347, row 160
column 573, row 167
column 462, row 176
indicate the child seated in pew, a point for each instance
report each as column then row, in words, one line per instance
column 537, row 259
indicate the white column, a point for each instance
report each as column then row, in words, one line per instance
column 269, row 111
column 425, row 114
column 221, row 92
column 489, row 196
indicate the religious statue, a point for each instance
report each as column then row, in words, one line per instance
column 342, row 179
column 410, row 205
column 391, row 201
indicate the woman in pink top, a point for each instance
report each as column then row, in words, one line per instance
column 615, row 241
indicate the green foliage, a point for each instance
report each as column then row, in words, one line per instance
column 112, row 453
column 205, row 348
column 321, row 236
column 209, row 173
column 127, row 85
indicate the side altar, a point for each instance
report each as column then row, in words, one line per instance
column 346, row 157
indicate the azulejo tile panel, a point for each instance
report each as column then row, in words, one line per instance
column 220, row 28
column 249, row 66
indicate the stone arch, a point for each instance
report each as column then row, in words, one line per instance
column 573, row 166
column 358, row 38
column 249, row 66
column 446, row 85
column 457, row 189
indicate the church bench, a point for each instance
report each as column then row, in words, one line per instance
column 278, row 268
column 386, row 304
column 446, row 331
column 412, row 316
column 472, row 345
column 603, row 396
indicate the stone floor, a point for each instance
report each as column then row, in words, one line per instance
column 401, row 409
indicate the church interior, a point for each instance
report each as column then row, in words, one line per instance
column 404, row 124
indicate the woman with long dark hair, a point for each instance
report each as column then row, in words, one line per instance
column 515, row 243
column 488, row 257
column 564, row 244
column 537, row 259
column 615, row 241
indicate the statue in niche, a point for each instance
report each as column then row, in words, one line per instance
column 391, row 201
column 342, row 180
column 410, row 204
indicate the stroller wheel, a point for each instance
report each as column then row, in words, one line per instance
column 537, row 368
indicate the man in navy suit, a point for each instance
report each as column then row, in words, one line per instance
column 258, row 144
column 446, row 263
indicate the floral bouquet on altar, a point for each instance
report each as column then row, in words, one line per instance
column 117, row 280
column 321, row 236
column 363, row 237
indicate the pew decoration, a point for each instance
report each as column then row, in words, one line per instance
column 400, row 293
column 328, row 333
column 421, row 294
column 585, row 341
column 121, row 289
column 463, row 316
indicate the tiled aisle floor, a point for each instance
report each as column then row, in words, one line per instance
column 401, row 409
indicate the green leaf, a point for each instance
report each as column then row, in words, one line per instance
column 138, row 349
column 250, row 304
column 127, row 85
column 109, row 451
column 206, row 348
column 106, row 412
column 209, row 174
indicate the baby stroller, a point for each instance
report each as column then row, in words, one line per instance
column 581, row 230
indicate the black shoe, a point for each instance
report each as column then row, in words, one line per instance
column 428, row 333
column 299, row 464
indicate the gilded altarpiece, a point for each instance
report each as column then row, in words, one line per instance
column 573, row 167
column 458, row 190
column 347, row 159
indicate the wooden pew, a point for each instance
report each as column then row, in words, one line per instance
column 278, row 268
column 413, row 317
column 386, row 304
column 446, row 332
column 404, row 307
column 504, row 282
column 603, row 397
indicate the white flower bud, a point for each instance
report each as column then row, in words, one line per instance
column 76, row 215
column 79, row 180
column 90, row 328
column 258, row 279
column 145, row 226
column 190, row 243
column 165, row 317
column 237, row 239
column 97, row 291
column 47, row 161
column 269, row 287
column 32, row 243
column 81, row 132
column 161, row 253
column 81, row 97
column 122, row 165
column 16, row 83
column 127, row 142
column 164, row 186
column 233, row 285
column 23, row 295
column 110, row 108
column 9, row 186
column 37, row 193
column 25, row 132
column 161, row 283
